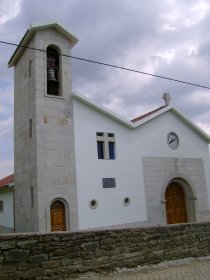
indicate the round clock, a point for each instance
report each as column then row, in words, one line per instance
column 173, row 140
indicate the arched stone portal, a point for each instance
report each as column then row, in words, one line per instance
column 58, row 216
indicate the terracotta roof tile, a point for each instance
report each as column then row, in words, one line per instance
column 7, row 180
column 147, row 114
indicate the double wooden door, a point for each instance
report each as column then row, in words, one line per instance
column 57, row 213
column 175, row 204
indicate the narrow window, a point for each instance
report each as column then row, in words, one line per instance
column 30, row 128
column 1, row 206
column 32, row 197
column 29, row 68
column 100, row 146
column 105, row 145
column 111, row 150
column 52, row 71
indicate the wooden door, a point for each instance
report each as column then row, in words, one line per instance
column 175, row 204
column 57, row 213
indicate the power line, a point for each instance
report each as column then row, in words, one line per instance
column 111, row 65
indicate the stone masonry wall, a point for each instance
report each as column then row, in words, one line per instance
column 60, row 255
column 189, row 172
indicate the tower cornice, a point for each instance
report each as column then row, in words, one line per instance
column 30, row 33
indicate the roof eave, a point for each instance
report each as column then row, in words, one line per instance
column 152, row 116
column 31, row 31
column 7, row 187
column 19, row 49
column 193, row 125
column 86, row 101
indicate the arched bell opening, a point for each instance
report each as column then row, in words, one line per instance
column 53, row 65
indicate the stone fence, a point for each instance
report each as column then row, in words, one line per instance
column 60, row 255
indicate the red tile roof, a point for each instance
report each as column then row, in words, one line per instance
column 6, row 181
column 147, row 114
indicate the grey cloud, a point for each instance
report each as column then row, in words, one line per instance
column 109, row 30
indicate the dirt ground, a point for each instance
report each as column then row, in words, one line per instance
column 186, row 269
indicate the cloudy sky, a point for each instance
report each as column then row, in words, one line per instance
column 169, row 38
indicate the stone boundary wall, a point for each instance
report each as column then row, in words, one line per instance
column 60, row 255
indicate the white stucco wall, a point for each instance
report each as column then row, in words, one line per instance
column 90, row 171
column 132, row 145
column 7, row 215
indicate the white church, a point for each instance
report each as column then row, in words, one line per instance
column 79, row 166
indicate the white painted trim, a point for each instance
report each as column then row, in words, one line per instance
column 83, row 99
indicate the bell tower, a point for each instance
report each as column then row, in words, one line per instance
column 45, row 174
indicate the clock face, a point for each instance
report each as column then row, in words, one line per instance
column 173, row 140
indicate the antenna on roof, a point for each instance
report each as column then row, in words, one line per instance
column 167, row 98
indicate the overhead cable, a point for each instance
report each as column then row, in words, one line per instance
column 112, row 65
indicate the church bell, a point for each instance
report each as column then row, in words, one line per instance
column 51, row 75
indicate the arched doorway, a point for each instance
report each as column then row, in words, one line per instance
column 175, row 204
column 57, row 215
